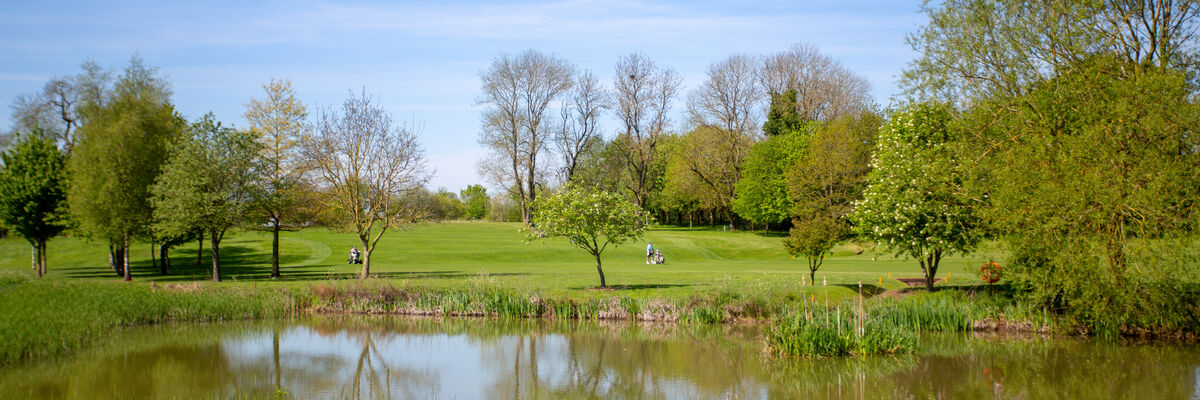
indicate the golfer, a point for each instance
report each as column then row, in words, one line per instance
column 649, row 252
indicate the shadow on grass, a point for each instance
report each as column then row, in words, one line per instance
column 393, row 275
column 868, row 291
column 245, row 263
column 633, row 286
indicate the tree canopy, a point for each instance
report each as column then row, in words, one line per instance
column 590, row 219
column 118, row 155
column 33, row 198
column 913, row 204
column 365, row 164
column 209, row 183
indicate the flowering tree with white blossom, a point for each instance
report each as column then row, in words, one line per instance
column 912, row 204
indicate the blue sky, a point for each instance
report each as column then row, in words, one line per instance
column 422, row 59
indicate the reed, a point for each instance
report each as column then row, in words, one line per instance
column 819, row 332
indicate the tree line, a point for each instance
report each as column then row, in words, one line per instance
column 106, row 156
column 1063, row 131
column 745, row 124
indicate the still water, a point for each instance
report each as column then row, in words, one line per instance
column 403, row 358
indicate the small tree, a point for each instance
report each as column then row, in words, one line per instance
column 826, row 181
column 813, row 238
column 912, row 204
column 590, row 219
column 33, row 199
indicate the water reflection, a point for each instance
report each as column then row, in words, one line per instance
column 384, row 357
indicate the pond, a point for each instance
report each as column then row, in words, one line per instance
column 460, row 358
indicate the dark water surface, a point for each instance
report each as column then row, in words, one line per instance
column 403, row 358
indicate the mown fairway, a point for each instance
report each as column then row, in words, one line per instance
column 456, row 253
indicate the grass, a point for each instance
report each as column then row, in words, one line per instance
column 445, row 255
column 480, row 269
column 42, row 318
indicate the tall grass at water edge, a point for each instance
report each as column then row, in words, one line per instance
column 884, row 326
column 480, row 296
column 42, row 318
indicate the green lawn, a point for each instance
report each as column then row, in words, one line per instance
column 448, row 254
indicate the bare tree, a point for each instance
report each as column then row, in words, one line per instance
column 730, row 98
column 825, row 89
column 643, row 94
column 365, row 164
column 52, row 112
column 517, row 91
column 62, row 106
column 725, row 111
column 580, row 119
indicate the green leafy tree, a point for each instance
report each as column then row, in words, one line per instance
column 591, row 219
column 782, row 117
column 33, row 197
column 825, row 183
column 972, row 49
column 706, row 164
column 761, row 195
column 1097, row 194
column 813, row 238
column 279, row 121
column 475, row 199
column 208, row 184
column 912, row 203
column 118, row 155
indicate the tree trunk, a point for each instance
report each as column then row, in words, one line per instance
column 117, row 258
column 112, row 256
column 33, row 255
column 600, row 270
column 366, row 269
column 164, row 257
column 42, row 252
column 366, row 253
column 931, row 266
column 125, row 258
column 200, row 250
column 37, row 258
column 275, row 249
column 216, row 256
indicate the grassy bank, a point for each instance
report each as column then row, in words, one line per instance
column 43, row 318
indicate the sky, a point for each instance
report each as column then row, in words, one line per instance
column 422, row 60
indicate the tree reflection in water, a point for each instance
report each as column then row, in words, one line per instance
column 388, row 357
